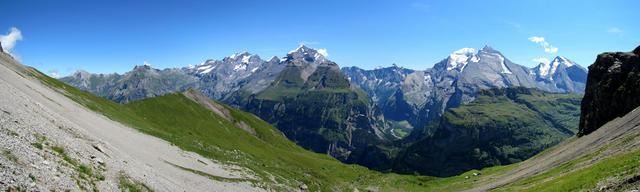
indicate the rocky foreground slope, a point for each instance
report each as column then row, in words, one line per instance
column 50, row 142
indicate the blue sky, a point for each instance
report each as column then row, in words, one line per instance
column 114, row 36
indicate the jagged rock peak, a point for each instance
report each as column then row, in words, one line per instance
column 487, row 48
column 306, row 53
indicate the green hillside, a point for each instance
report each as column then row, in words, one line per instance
column 500, row 127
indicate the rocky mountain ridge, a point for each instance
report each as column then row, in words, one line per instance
column 422, row 95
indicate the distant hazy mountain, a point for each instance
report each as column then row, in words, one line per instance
column 214, row 78
column 141, row 82
column 420, row 96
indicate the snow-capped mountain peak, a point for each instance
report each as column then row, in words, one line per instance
column 274, row 58
column 238, row 54
column 304, row 52
column 547, row 69
column 460, row 58
column 561, row 60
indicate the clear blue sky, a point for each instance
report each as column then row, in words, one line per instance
column 114, row 36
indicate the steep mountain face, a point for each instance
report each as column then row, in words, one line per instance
column 381, row 83
column 612, row 89
column 420, row 96
column 501, row 126
column 313, row 103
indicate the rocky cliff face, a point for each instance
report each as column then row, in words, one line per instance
column 613, row 89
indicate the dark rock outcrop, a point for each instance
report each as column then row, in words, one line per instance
column 613, row 89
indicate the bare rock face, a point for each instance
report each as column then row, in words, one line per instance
column 1, row 47
column 613, row 89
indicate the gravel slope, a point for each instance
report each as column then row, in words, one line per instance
column 30, row 110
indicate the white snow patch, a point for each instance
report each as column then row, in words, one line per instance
column 240, row 67
column 283, row 59
column 460, row 58
column 205, row 67
column 323, row 52
column 206, row 71
column 254, row 70
column 246, row 58
column 147, row 64
column 505, row 70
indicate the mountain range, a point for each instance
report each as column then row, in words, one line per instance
column 419, row 96
column 351, row 114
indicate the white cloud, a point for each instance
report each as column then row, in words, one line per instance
column 54, row 73
column 547, row 47
column 536, row 39
column 615, row 30
column 542, row 60
column 9, row 41
column 323, row 52
column 550, row 49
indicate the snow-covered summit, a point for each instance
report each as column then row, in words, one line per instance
column 547, row 69
column 460, row 58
